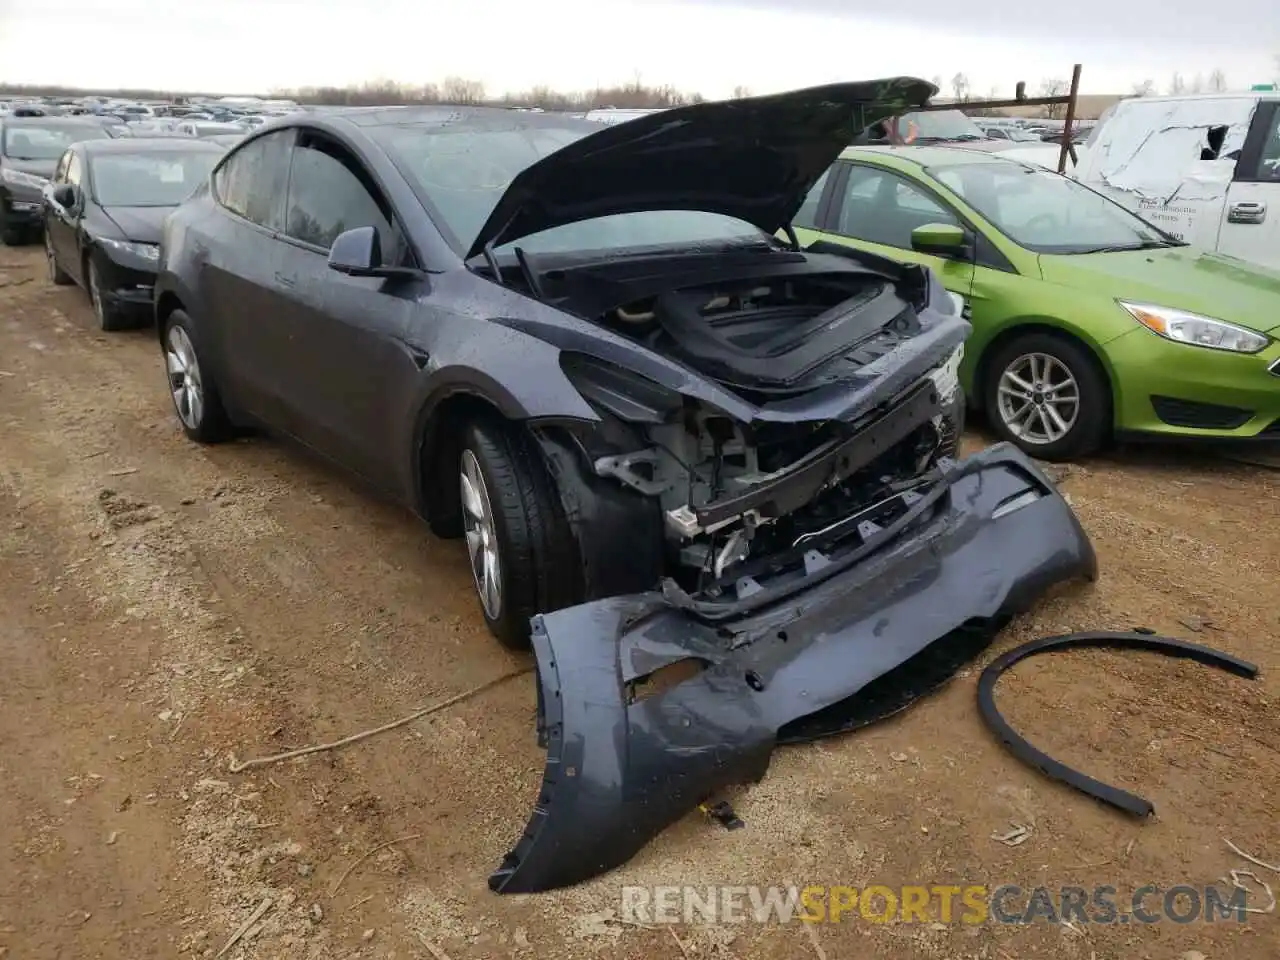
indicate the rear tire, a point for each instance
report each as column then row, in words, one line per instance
column 191, row 385
column 1051, row 368
column 57, row 276
column 521, row 549
column 12, row 235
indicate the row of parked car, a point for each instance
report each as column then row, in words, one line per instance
column 548, row 336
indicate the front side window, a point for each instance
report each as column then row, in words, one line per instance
column 252, row 181
column 1045, row 212
column 60, row 175
column 162, row 179
column 75, row 170
column 463, row 173
column 1269, row 160
column 39, row 142
column 882, row 207
column 328, row 195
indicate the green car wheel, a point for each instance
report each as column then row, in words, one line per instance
column 1046, row 394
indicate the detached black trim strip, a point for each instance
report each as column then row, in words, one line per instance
column 1024, row 751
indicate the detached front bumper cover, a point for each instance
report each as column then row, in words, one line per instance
column 619, row 770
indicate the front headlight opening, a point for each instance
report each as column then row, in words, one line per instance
column 1180, row 326
column 147, row 251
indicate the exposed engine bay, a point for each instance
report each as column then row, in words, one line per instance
column 731, row 491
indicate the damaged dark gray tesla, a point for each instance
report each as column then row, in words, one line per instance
column 684, row 446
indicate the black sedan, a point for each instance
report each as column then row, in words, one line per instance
column 102, row 215
column 29, row 150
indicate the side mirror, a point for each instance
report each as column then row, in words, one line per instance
column 66, row 196
column 356, row 252
column 940, row 239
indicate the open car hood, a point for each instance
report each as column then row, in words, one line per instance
column 753, row 159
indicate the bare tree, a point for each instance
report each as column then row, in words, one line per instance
column 1144, row 89
column 1177, row 84
column 1217, row 82
column 740, row 92
column 382, row 91
column 462, row 90
column 960, row 87
column 936, row 79
column 1053, row 87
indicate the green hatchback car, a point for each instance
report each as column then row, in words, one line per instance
column 1087, row 320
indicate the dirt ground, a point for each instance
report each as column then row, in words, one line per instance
column 166, row 607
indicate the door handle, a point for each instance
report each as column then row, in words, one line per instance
column 1247, row 211
column 284, row 280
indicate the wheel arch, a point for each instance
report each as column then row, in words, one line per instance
column 437, row 443
column 167, row 303
column 1034, row 325
column 457, row 393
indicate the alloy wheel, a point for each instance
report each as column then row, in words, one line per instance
column 185, row 383
column 482, row 536
column 1039, row 399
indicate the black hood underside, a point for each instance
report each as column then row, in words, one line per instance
column 754, row 159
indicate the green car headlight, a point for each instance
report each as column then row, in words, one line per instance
column 1181, row 326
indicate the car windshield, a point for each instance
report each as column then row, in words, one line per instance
column 162, row 179
column 937, row 125
column 464, row 174
column 35, row 142
column 1048, row 213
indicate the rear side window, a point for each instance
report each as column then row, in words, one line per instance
column 329, row 193
column 253, row 179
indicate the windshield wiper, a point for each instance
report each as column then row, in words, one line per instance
column 1140, row 245
column 958, row 138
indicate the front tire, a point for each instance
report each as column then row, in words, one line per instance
column 191, row 385
column 110, row 318
column 520, row 547
column 1048, row 396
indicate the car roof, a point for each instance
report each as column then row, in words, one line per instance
column 1230, row 95
column 924, row 156
column 72, row 122
column 148, row 145
column 472, row 118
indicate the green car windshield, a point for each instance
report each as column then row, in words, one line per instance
column 1048, row 213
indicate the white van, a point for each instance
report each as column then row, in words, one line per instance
column 1203, row 167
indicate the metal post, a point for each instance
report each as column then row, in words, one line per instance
column 1071, row 118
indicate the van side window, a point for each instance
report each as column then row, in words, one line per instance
column 1268, row 165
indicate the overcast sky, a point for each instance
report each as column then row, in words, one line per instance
column 705, row 45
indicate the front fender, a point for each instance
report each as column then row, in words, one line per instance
column 521, row 381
